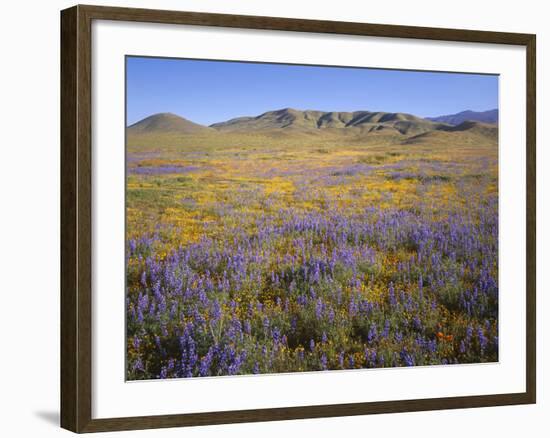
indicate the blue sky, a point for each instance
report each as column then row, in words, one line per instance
column 213, row 91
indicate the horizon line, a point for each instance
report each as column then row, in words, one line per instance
column 305, row 110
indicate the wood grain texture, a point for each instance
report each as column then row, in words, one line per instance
column 76, row 219
column 531, row 213
column 299, row 25
column 69, row 330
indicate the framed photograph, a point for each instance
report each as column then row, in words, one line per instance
column 268, row 218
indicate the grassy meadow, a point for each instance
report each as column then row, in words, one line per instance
column 255, row 253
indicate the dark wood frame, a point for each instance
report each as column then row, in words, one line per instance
column 76, row 225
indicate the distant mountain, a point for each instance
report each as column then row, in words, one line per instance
column 296, row 120
column 167, row 123
column 490, row 116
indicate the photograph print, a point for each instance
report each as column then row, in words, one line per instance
column 298, row 218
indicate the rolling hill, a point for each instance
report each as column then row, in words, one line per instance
column 312, row 127
column 467, row 133
column 167, row 123
column 361, row 122
column 487, row 129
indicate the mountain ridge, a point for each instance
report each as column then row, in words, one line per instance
column 290, row 122
column 290, row 118
column 489, row 116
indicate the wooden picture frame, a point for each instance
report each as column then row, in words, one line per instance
column 76, row 217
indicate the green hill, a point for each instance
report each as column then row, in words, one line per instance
column 167, row 123
column 296, row 120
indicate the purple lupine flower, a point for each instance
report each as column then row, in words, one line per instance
column 373, row 357
column 276, row 335
column 469, row 333
column 238, row 360
column 293, row 323
column 216, row 311
column 138, row 365
column 324, row 361
column 143, row 304
column 188, row 352
column 319, row 306
column 391, row 294
column 331, row 315
column 483, row 341
column 144, row 279
column 372, row 334
column 407, row 358
column 386, row 331
column 205, row 363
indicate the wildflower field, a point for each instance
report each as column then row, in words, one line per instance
column 271, row 254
